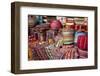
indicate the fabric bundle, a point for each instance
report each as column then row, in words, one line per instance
column 83, row 53
column 39, row 53
column 77, row 34
column 70, row 53
column 68, row 37
column 82, row 42
column 49, row 51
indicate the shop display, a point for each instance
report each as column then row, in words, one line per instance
column 57, row 38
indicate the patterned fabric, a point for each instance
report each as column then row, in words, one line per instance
column 78, row 34
column 39, row 53
column 71, row 53
column 83, row 42
column 68, row 37
column 52, row 52
column 65, row 52
column 83, row 53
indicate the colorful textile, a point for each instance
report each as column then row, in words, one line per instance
column 82, row 42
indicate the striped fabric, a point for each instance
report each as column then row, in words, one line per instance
column 39, row 53
column 83, row 42
column 68, row 37
column 51, row 52
column 70, row 53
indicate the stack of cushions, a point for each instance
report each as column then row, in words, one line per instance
column 68, row 36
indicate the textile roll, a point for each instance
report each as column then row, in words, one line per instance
column 82, row 42
column 68, row 37
column 78, row 34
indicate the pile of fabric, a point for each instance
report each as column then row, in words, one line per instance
column 57, row 37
